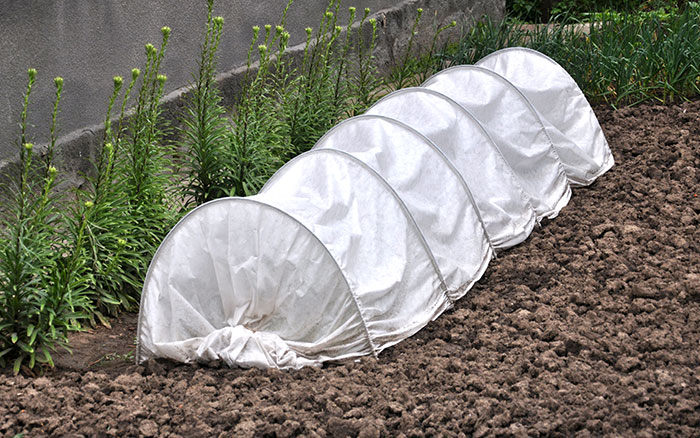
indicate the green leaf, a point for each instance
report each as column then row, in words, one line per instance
column 25, row 347
column 30, row 330
column 17, row 365
column 33, row 337
column 47, row 357
column 14, row 338
column 103, row 320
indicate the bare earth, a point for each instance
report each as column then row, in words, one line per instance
column 589, row 328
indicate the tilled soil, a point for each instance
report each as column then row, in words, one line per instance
column 591, row 327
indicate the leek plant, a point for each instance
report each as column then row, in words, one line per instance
column 622, row 59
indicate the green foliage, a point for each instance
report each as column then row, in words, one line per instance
column 316, row 100
column 60, row 264
column 258, row 140
column 538, row 11
column 42, row 286
column 285, row 105
column 116, row 220
column 235, row 158
column 623, row 59
column 204, row 134
column 143, row 164
column 363, row 78
column 414, row 70
column 100, row 210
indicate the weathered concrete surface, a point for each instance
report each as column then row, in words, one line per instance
column 88, row 42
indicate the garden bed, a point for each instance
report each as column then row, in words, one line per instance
column 591, row 327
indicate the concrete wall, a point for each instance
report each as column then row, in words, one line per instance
column 87, row 42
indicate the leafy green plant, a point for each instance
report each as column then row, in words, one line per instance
column 316, row 100
column 407, row 68
column 98, row 223
column 258, row 139
column 622, row 59
column 204, row 134
column 542, row 11
column 143, row 163
column 285, row 104
column 363, row 80
column 42, row 288
column 414, row 69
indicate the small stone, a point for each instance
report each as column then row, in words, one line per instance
column 151, row 366
column 148, row 428
column 627, row 364
column 630, row 229
column 369, row 430
column 643, row 291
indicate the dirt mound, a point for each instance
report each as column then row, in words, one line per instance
column 589, row 328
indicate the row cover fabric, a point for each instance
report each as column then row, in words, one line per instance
column 390, row 218
column 562, row 107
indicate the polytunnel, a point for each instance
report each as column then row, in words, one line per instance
column 392, row 217
column 515, row 127
column 568, row 117
column 423, row 178
column 504, row 206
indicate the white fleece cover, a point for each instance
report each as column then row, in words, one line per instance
column 362, row 241
column 564, row 110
